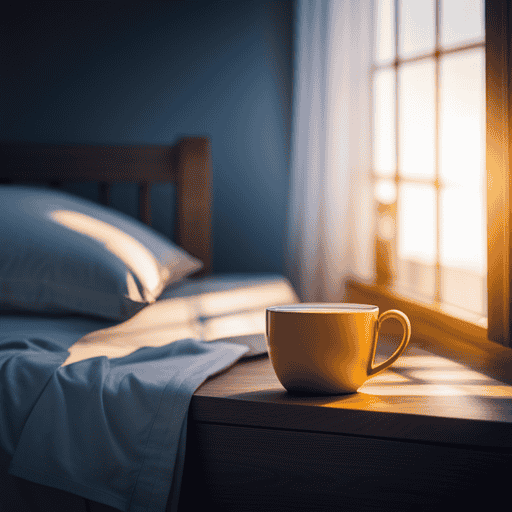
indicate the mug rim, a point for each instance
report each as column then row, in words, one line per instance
column 324, row 307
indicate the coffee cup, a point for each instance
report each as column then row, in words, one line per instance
column 328, row 348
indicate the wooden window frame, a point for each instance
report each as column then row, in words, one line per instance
column 389, row 268
column 484, row 347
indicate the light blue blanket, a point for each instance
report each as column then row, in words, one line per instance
column 110, row 430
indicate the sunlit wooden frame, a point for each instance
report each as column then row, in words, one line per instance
column 498, row 30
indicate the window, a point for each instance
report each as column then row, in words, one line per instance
column 420, row 268
column 429, row 151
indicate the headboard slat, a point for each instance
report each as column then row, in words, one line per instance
column 145, row 202
column 104, row 192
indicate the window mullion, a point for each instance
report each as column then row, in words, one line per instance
column 394, row 241
column 437, row 276
column 498, row 94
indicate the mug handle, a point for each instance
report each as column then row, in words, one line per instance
column 406, row 324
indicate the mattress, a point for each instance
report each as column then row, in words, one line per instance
column 99, row 410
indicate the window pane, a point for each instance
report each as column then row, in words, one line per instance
column 417, row 223
column 462, row 21
column 416, row 27
column 417, row 280
column 464, row 289
column 385, row 27
column 416, row 117
column 462, row 118
column 463, row 238
column 385, row 191
column 384, row 142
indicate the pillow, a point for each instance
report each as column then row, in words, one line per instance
column 63, row 254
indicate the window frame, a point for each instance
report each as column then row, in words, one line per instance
column 484, row 347
column 390, row 269
column 498, row 140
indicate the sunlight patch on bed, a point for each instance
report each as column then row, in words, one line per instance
column 239, row 324
column 156, row 325
column 258, row 296
column 112, row 344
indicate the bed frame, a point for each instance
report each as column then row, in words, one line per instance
column 186, row 163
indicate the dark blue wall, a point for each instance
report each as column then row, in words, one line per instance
column 149, row 72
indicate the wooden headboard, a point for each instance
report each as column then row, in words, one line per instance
column 186, row 163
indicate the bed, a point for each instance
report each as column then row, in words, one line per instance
column 107, row 328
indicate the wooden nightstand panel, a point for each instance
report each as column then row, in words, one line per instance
column 255, row 469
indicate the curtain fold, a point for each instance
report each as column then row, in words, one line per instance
column 330, row 221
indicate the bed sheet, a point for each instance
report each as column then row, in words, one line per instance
column 99, row 410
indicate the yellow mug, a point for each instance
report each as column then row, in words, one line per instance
column 328, row 348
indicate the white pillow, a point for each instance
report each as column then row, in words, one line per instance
column 60, row 253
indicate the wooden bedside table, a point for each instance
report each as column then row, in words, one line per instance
column 426, row 432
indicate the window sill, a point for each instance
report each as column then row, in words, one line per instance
column 434, row 328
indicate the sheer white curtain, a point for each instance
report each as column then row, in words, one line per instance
column 330, row 227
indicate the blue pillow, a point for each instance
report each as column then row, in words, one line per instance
column 63, row 254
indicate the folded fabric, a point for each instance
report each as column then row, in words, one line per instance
column 110, row 430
